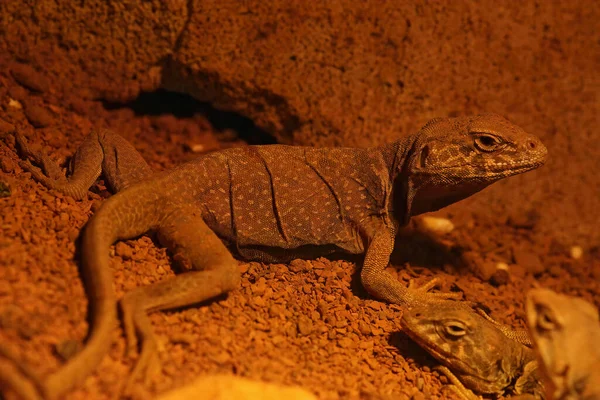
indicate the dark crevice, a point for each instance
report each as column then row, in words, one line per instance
column 180, row 105
column 179, row 39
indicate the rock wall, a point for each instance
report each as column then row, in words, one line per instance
column 342, row 72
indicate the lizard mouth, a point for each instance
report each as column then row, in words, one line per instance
column 491, row 166
column 516, row 167
column 489, row 170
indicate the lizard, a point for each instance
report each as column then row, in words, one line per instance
column 475, row 354
column 565, row 332
column 271, row 203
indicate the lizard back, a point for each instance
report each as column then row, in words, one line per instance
column 262, row 198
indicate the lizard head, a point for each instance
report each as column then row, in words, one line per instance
column 470, row 346
column 565, row 333
column 452, row 158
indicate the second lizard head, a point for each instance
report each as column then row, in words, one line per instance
column 482, row 357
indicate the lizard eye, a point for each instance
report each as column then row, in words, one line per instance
column 456, row 329
column 545, row 320
column 487, row 143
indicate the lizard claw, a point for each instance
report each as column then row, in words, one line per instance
column 423, row 288
column 27, row 166
column 456, row 385
column 18, row 376
column 146, row 365
column 51, row 169
column 128, row 311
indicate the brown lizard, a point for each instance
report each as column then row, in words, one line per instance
column 475, row 354
column 566, row 334
column 268, row 203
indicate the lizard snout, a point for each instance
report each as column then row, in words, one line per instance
column 536, row 148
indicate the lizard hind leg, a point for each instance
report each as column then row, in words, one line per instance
column 214, row 271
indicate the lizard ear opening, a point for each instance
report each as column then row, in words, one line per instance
column 423, row 156
column 408, row 198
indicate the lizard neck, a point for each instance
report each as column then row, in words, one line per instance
column 396, row 154
column 415, row 192
column 396, row 157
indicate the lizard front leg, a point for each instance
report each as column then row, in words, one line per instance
column 101, row 152
column 381, row 284
column 87, row 166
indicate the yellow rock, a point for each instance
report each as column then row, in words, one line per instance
column 225, row 387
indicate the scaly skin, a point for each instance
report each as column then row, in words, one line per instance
column 566, row 335
column 269, row 203
column 475, row 354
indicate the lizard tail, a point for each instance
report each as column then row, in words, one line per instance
column 123, row 216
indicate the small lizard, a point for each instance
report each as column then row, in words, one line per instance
column 267, row 203
column 475, row 354
column 566, row 334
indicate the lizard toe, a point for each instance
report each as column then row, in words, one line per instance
column 146, row 366
column 412, row 285
column 128, row 312
column 422, row 295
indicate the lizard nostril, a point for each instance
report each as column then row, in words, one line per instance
column 531, row 144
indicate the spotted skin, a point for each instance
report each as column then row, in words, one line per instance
column 293, row 200
column 475, row 354
column 566, row 333
column 268, row 203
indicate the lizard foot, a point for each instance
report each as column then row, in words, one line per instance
column 421, row 293
column 146, row 366
column 51, row 169
column 456, row 385
column 35, row 172
column 138, row 328
column 18, row 376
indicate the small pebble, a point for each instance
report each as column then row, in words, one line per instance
column 502, row 265
column 17, row 93
column 27, row 76
column 524, row 219
column 196, row 148
column 4, row 189
column 14, row 104
column 124, row 251
column 576, row 252
column 38, row 116
column 435, row 224
column 305, row 325
column 501, row 275
column 528, row 260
